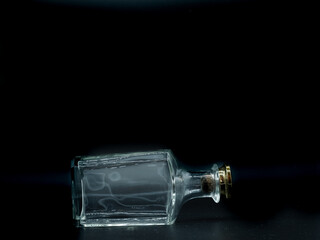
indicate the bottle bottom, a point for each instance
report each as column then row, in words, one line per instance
column 124, row 221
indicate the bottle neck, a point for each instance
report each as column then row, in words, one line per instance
column 201, row 184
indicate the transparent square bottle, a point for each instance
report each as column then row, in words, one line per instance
column 141, row 188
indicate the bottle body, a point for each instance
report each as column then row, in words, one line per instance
column 145, row 188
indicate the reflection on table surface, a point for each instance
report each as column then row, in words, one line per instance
column 204, row 219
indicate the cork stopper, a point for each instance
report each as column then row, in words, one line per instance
column 207, row 184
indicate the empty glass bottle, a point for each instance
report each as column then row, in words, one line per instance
column 142, row 188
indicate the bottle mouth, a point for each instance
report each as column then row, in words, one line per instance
column 218, row 182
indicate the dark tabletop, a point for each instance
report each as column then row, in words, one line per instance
column 39, row 206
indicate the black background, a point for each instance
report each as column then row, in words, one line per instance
column 214, row 82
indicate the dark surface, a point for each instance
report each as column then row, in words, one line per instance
column 83, row 80
column 269, row 202
column 207, row 221
column 45, row 212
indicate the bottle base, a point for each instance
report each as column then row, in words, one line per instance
column 145, row 221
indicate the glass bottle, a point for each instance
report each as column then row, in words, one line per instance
column 141, row 188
